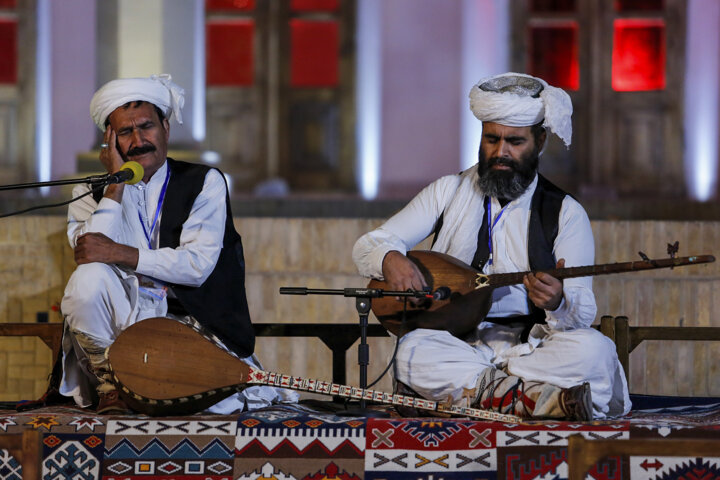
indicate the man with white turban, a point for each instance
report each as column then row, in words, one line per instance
column 535, row 354
column 164, row 245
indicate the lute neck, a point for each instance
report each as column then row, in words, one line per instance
column 261, row 377
column 505, row 279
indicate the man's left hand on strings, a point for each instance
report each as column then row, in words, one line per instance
column 544, row 290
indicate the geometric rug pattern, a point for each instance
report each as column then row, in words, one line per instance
column 295, row 442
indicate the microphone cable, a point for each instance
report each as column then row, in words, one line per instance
column 444, row 293
column 52, row 205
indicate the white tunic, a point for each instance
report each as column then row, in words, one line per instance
column 461, row 202
column 200, row 241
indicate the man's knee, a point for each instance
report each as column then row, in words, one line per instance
column 89, row 281
column 590, row 346
column 88, row 290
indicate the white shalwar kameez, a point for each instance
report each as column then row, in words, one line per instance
column 565, row 352
column 125, row 297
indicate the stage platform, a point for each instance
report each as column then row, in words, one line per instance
column 302, row 441
column 663, row 437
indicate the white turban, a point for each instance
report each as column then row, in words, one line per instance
column 519, row 100
column 157, row 89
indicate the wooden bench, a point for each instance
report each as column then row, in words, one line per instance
column 337, row 336
column 49, row 333
column 627, row 338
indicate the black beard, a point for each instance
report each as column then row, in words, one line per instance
column 507, row 184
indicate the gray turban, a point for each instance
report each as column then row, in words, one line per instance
column 519, row 100
column 157, row 89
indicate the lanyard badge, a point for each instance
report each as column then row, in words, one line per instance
column 148, row 234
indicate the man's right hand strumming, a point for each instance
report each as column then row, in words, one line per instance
column 401, row 273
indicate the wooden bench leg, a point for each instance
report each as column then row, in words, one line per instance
column 26, row 447
column 583, row 454
column 607, row 326
column 622, row 342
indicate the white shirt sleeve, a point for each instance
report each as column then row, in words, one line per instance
column 405, row 229
column 201, row 240
column 576, row 245
column 85, row 215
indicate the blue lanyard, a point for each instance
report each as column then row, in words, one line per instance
column 491, row 225
column 148, row 235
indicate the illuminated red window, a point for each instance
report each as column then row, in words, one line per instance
column 638, row 5
column 307, row 5
column 229, row 53
column 7, row 3
column 638, row 59
column 552, row 6
column 225, row 5
column 554, row 54
column 313, row 53
column 8, row 51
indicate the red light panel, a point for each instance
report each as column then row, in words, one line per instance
column 313, row 53
column 554, row 54
column 8, row 51
column 226, row 5
column 314, row 5
column 229, row 52
column 638, row 60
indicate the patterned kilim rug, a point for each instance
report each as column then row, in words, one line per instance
column 460, row 449
column 295, row 442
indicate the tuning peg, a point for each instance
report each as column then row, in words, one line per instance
column 646, row 259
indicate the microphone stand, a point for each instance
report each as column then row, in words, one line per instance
column 363, row 299
column 92, row 179
column 96, row 182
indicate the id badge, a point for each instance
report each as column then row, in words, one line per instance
column 157, row 293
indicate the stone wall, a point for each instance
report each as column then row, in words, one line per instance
column 315, row 253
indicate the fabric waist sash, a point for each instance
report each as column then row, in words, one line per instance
column 525, row 321
column 514, row 321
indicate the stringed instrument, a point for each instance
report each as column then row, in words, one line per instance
column 167, row 367
column 471, row 290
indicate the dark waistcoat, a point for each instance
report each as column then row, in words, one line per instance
column 543, row 229
column 219, row 304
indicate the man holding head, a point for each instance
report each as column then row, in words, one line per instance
column 165, row 246
column 535, row 355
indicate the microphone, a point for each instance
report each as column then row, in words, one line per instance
column 442, row 293
column 131, row 173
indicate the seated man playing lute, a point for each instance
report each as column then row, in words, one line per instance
column 535, row 355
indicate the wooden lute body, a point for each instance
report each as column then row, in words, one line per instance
column 165, row 367
column 471, row 295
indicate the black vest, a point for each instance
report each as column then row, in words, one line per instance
column 543, row 229
column 220, row 303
